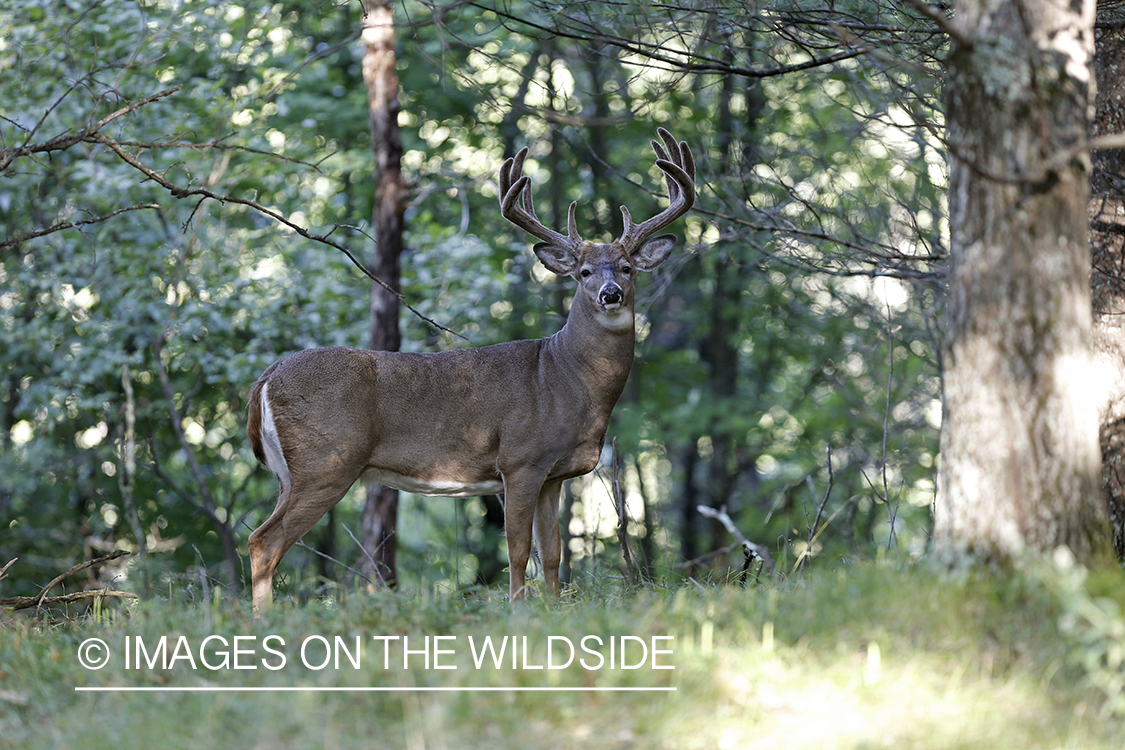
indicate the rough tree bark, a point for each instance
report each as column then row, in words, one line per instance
column 381, row 509
column 1107, row 280
column 1020, row 461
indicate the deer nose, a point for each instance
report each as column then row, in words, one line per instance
column 610, row 294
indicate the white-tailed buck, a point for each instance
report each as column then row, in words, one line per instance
column 518, row 418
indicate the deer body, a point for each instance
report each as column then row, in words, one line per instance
column 519, row 417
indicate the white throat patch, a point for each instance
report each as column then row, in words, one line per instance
column 614, row 317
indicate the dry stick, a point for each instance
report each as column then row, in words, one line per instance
column 813, row 534
column 750, row 548
column 80, row 566
column 820, row 531
column 697, row 561
column 891, row 515
column 126, row 480
column 4, row 569
column 27, row 602
column 746, row 569
column 331, row 559
column 37, row 601
column 622, row 520
column 65, row 141
column 369, row 555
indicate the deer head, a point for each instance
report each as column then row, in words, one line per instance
column 605, row 273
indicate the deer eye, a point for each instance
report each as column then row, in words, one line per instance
column 626, row 269
column 586, row 273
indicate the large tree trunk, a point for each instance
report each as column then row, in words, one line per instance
column 1107, row 243
column 381, row 509
column 1020, row 462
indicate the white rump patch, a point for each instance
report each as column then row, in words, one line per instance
column 271, row 443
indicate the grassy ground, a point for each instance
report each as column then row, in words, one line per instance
column 864, row 657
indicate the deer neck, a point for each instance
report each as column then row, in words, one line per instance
column 599, row 343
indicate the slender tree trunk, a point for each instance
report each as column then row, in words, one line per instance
column 719, row 349
column 647, row 544
column 326, row 545
column 381, row 509
column 1107, row 243
column 689, row 516
column 1020, row 462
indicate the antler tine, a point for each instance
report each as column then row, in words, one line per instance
column 516, row 205
column 675, row 160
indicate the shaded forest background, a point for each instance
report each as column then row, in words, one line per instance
column 186, row 193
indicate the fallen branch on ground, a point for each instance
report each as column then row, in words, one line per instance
column 37, row 601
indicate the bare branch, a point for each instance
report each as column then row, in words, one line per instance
column 329, row 558
column 63, row 142
column 92, row 134
column 721, row 516
column 179, row 192
column 688, row 61
column 134, row 106
column 4, row 245
column 370, row 555
column 938, row 16
column 27, row 602
column 812, row 529
column 39, row 599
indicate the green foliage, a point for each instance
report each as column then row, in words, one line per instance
column 759, row 346
column 182, row 288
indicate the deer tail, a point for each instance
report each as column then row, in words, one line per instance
column 254, row 421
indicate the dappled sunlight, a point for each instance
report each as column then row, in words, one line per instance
column 793, row 698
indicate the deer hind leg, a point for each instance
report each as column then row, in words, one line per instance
column 299, row 506
column 547, row 539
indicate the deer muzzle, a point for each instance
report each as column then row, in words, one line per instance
column 611, row 296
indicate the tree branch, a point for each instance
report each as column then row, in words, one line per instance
column 756, row 550
column 179, row 192
column 37, row 601
column 92, row 134
column 27, row 602
column 4, row 245
column 681, row 63
column 65, row 141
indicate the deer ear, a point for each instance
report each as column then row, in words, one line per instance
column 556, row 258
column 654, row 252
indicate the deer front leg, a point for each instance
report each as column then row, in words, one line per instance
column 521, row 496
column 547, row 535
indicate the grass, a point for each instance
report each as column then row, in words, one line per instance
column 864, row 657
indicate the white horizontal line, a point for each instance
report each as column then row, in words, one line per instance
column 298, row 689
